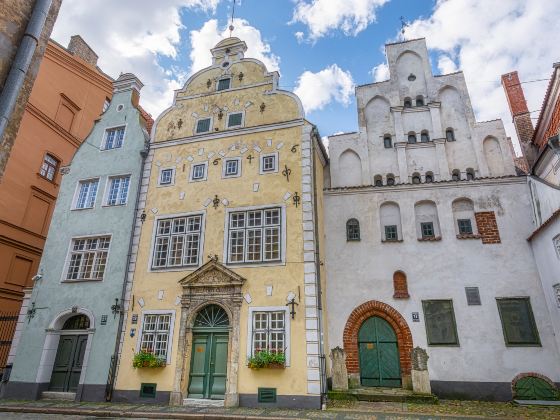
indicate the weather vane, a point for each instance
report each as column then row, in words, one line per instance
column 404, row 25
column 231, row 27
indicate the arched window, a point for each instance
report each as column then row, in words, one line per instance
column 400, row 285
column 352, row 230
column 387, row 142
column 456, row 175
column 390, row 218
column 412, row 137
column 378, row 181
column 427, row 222
column 419, row 100
column 429, row 177
column 463, row 214
column 390, row 179
column 450, row 134
column 416, row 178
column 470, row 174
column 425, row 136
column 77, row 322
column 407, row 103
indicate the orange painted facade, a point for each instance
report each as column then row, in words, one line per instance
column 68, row 96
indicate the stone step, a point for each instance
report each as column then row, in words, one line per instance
column 200, row 402
column 52, row 395
column 382, row 394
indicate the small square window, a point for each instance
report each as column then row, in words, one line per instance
column 198, row 172
column 235, row 120
column 148, row 390
column 269, row 163
column 387, row 142
column 465, row 226
column 231, row 168
column 473, row 296
column 391, row 233
column 224, row 84
column 427, row 229
column 166, row 177
column 203, row 125
column 49, row 167
column 114, row 138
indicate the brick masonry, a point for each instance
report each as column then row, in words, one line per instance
column 389, row 314
column 79, row 48
column 400, row 285
column 487, row 227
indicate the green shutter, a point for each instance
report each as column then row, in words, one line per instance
column 148, row 390
column 518, row 323
column 267, row 395
column 440, row 322
column 234, row 120
column 223, row 84
column 202, row 126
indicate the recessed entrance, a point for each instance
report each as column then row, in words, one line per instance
column 378, row 354
column 208, row 373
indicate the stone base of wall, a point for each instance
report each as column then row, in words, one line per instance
column 121, row 395
column 23, row 390
column 282, row 401
column 484, row 391
column 91, row 392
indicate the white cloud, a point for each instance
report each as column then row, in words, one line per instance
column 128, row 36
column 446, row 65
column 210, row 34
column 299, row 36
column 490, row 38
column 380, row 72
column 316, row 90
column 325, row 16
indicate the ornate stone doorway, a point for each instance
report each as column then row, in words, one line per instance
column 216, row 285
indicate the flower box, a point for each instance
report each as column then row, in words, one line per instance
column 267, row 359
column 147, row 359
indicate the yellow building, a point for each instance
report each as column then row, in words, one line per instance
column 230, row 210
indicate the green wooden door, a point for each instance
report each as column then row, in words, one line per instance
column 378, row 354
column 533, row 388
column 68, row 363
column 208, row 365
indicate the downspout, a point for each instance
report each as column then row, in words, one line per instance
column 323, row 362
column 22, row 61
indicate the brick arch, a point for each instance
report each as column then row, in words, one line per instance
column 394, row 318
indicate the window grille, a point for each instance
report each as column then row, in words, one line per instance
column 88, row 258
column 87, row 193
column 224, row 84
column 49, row 167
column 155, row 334
column 269, row 331
column 203, row 125
column 166, row 177
column 391, row 233
column 352, row 230
column 235, row 120
column 114, row 138
column 118, row 190
column 177, row 242
column 427, row 229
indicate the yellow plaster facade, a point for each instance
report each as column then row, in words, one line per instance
column 273, row 125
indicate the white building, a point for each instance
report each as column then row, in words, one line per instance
column 426, row 241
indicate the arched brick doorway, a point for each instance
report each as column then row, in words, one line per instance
column 398, row 323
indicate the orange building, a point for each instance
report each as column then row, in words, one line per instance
column 69, row 94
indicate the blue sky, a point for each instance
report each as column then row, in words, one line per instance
column 322, row 48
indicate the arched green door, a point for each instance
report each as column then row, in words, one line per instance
column 208, row 372
column 378, row 354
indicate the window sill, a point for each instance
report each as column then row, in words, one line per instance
column 385, row 241
column 82, row 208
column 114, row 205
column 468, row 236
column 82, row 281
column 254, row 264
column 431, row 239
column 353, row 240
column 50, row 181
column 401, row 295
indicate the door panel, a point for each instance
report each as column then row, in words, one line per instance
column 218, row 366
column 208, row 366
column 369, row 364
column 78, row 360
column 199, row 356
column 68, row 363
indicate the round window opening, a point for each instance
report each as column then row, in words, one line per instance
column 411, row 77
column 225, row 64
column 120, row 107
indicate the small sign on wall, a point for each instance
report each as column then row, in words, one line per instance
column 103, row 319
column 135, row 318
column 415, row 317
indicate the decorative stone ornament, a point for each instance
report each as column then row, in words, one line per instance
column 339, row 374
column 420, row 376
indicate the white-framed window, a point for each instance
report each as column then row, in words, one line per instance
column 255, row 236
column 199, row 172
column 556, row 242
column 203, row 125
column 86, row 193
column 231, row 168
column 235, row 119
column 166, row 176
column 269, row 329
column 114, row 138
column 224, row 84
column 49, row 167
column 177, row 242
column 156, row 333
column 269, row 163
column 117, row 190
column 88, row 258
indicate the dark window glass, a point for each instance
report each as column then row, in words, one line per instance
column 440, row 322
column 473, row 295
column 223, row 84
column 465, row 226
column 427, row 229
column 407, row 103
column 49, row 167
column 378, row 182
column 429, row 178
column 470, row 175
column 390, row 181
column 416, row 179
column 412, row 138
column 387, row 142
column 419, row 101
column 235, row 120
column 450, row 135
column 518, row 322
column 424, row 137
column 203, row 126
column 456, row 176
column 352, row 230
column 391, row 233
column 77, row 322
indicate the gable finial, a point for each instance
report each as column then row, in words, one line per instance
column 231, row 27
column 404, row 25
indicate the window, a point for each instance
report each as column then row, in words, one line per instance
column 473, row 296
column 106, row 104
column 427, row 229
column 456, row 175
column 440, row 322
column 377, row 181
column 269, row 331
column 419, row 100
column 465, row 226
column 416, row 178
column 424, row 137
column 224, row 84
column 199, row 172
column 269, row 163
column 177, row 242
column 118, row 190
column 429, row 177
column 518, row 323
column 412, row 137
column 556, row 242
column 352, row 230
column 387, row 142
column 556, row 288
column 231, row 168
column 49, row 167
column 203, row 125
column 470, row 174
column 235, row 120
column 114, row 138
column 391, row 233
column 156, row 329
column 390, row 179
column 166, row 176
column 88, row 258
column 450, row 134
column 254, row 236
column 407, row 103
column 87, row 192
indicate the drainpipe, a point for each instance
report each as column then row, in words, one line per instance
column 22, row 61
column 323, row 362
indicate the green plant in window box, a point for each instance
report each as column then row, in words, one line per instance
column 264, row 358
column 146, row 358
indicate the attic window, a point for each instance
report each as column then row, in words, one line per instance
column 223, row 84
column 225, row 64
column 411, row 77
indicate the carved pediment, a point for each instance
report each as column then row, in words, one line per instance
column 212, row 274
